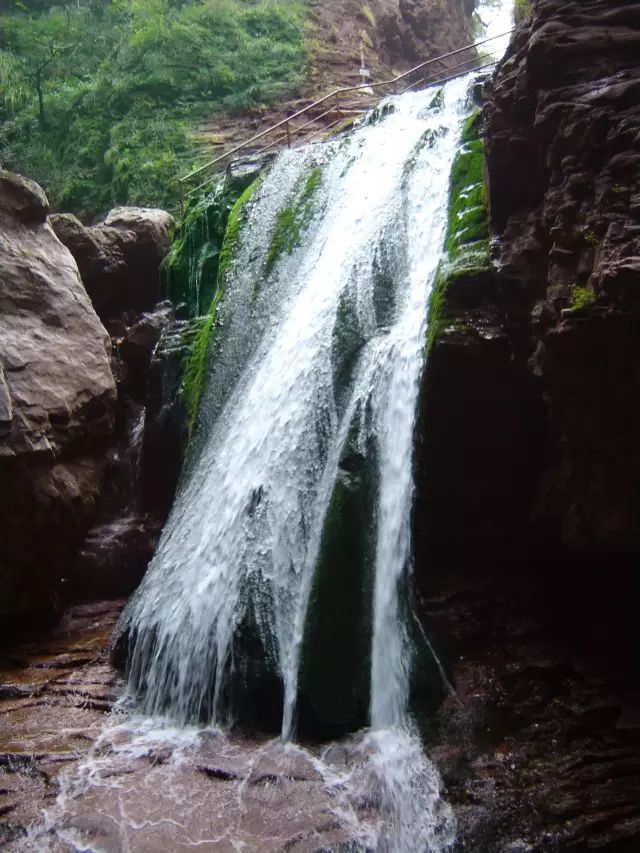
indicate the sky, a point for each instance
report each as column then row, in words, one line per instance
column 499, row 20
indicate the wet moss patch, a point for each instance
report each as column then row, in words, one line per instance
column 190, row 270
column 466, row 264
column 293, row 220
column 197, row 363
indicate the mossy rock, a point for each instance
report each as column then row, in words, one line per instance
column 190, row 270
column 293, row 220
column 464, row 277
column 335, row 668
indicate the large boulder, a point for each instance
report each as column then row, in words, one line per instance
column 119, row 259
column 57, row 400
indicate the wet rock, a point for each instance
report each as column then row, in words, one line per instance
column 165, row 437
column 135, row 346
column 119, row 259
column 527, row 546
column 113, row 558
column 57, row 403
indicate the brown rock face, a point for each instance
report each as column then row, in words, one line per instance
column 396, row 35
column 564, row 172
column 57, row 398
column 119, row 259
column 532, row 405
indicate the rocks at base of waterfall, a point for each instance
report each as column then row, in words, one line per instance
column 57, row 404
column 539, row 747
column 119, row 259
column 113, row 558
column 165, row 437
column 134, row 345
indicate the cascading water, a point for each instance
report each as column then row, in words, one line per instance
column 315, row 383
column 291, row 530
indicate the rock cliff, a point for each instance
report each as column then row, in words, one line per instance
column 57, row 402
column 527, row 567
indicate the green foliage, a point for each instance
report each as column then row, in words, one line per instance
column 581, row 297
column 521, row 10
column 293, row 220
column 590, row 237
column 96, row 102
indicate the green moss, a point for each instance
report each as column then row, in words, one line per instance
column 581, row 297
column 468, row 207
column 190, row 271
column 195, row 372
column 437, row 102
column 232, row 233
column 590, row 237
column 196, row 368
column 293, row 220
column 471, row 127
column 467, row 238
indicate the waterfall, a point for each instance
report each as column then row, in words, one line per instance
column 310, row 407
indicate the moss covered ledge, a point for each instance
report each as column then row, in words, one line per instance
column 200, row 344
column 464, row 279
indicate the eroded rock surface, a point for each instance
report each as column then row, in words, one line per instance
column 119, row 259
column 564, row 173
column 528, row 486
column 57, row 403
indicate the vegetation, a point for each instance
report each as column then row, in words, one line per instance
column 196, row 273
column 581, row 297
column 467, row 237
column 195, row 370
column 292, row 220
column 232, row 233
column 97, row 101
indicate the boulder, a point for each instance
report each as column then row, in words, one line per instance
column 153, row 227
column 57, row 401
column 113, row 558
column 119, row 259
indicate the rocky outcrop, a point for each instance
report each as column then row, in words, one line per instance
column 527, row 543
column 119, row 259
column 569, row 254
column 57, row 402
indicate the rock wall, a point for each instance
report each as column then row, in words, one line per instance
column 564, row 177
column 57, row 402
column 527, row 568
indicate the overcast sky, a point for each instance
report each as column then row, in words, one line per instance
column 499, row 20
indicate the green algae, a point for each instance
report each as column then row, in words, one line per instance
column 293, row 220
column 190, row 270
column 467, row 237
column 200, row 348
column 236, row 219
